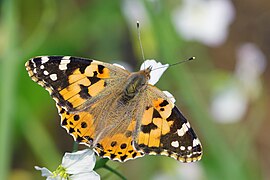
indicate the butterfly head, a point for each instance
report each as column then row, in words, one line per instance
column 147, row 72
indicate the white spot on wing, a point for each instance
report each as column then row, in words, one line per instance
column 169, row 95
column 42, row 67
column 45, row 72
column 152, row 153
column 183, row 130
column 182, row 148
column 189, row 147
column 164, row 153
column 196, row 142
column 53, row 77
column 189, row 155
column 188, row 125
column 175, row 144
column 66, row 57
column 44, row 59
column 64, row 63
column 118, row 65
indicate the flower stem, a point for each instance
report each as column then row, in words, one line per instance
column 75, row 146
column 101, row 163
column 114, row 171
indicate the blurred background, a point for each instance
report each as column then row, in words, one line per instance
column 224, row 93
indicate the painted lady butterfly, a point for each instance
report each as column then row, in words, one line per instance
column 117, row 113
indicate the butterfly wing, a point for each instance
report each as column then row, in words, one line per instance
column 119, row 146
column 76, row 84
column 165, row 131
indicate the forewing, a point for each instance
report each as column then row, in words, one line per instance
column 165, row 131
column 74, row 82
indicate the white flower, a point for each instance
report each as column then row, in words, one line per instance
column 157, row 70
column 230, row 103
column 251, row 63
column 75, row 166
column 206, row 21
column 135, row 11
column 188, row 171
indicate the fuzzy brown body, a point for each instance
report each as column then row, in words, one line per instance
column 115, row 112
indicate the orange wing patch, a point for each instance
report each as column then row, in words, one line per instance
column 80, row 125
column 165, row 131
column 85, row 85
column 119, row 146
column 103, row 72
column 153, row 124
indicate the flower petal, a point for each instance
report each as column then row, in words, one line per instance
column 157, row 70
column 79, row 162
column 205, row 16
column 44, row 171
column 55, row 178
column 86, row 176
column 229, row 105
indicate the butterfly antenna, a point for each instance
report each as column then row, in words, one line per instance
column 180, row 62
column 140, row 42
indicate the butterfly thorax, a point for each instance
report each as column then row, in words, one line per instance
column 135, row 83
column 122, row 106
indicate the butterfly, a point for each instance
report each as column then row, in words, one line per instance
column 121, row 115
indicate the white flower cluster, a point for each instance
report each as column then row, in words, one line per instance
column 75, row 166
column 206, row 21
column 230, row 102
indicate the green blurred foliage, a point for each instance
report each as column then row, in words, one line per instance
column 30, row 131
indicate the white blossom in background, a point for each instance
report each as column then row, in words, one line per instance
column 251, row 63
column 192, row 171
column 189, row 171
column 75, row 166
column 230, row 103
column 135, row 11
column 206, row 21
